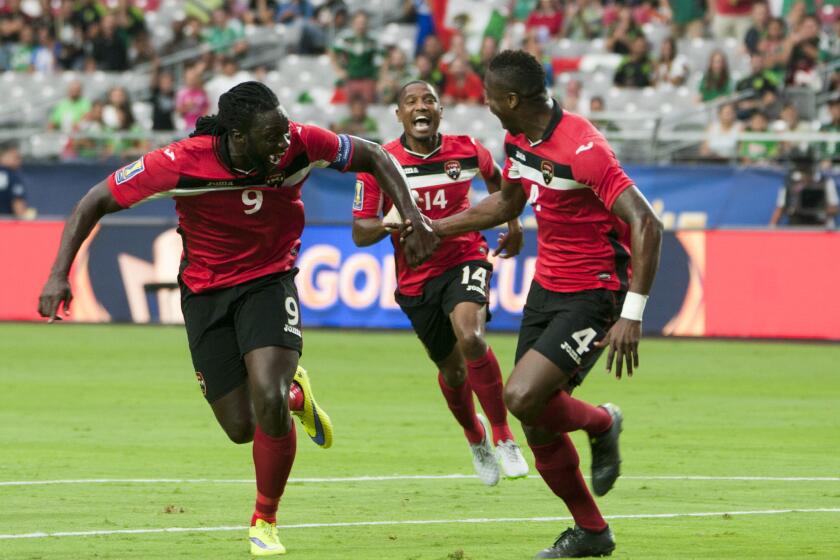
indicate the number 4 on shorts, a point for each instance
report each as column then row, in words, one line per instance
column 584, row 338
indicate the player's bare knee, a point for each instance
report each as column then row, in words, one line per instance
column 473, row 345
column 272, row 411
column 521, row 402
column 240, row 432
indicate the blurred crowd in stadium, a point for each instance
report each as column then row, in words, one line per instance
column 128, row 69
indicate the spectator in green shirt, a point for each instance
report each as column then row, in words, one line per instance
column 583, row 20
column 687, row 17
column 22, row 51
column 358, row 122
column 354, row 55
column 760, row 82
column 69, row 110
column 623, row 32
column 753, row 152
column 225, row 34
column 810, row 6
column 716, row 81
column 636, row 70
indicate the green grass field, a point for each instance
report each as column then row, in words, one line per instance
column 105, row 402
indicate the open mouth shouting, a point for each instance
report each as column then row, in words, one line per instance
column 422, row 124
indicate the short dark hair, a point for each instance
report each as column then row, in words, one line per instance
column 8, row 146
column 519, row 72
column 406, row 85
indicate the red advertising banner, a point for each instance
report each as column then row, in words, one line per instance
column 769, row 283
column 772, row 284
column 27, row 250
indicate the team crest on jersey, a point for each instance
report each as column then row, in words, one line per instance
column 276, row 179
column 200, row 378
column 359, row 197
column 453, row 169
column 547, row 169
column 131, row 170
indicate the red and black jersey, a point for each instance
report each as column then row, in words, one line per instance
column 572, row 178
column 442, row 178
column 235, row 227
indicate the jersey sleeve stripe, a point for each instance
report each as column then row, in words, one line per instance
column 556, row 183
column 441, row 179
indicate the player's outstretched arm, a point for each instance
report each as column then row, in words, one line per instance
column 502, row 206
column 372, row 158
column 96, row 203
column 367, row 231
column 645, row 242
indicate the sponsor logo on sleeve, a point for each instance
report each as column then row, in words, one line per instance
column 359, row 197
column 130, row 171
column 584, row 147
column 453, row 169
column 169, row 153
column 547, row 169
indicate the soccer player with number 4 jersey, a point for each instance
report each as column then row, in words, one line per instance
column 583, row 297
column 446, row 297
column 237, row 187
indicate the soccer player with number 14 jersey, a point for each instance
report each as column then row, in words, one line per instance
column 446, row 297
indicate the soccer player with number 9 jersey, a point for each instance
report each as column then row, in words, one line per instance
column 237, row 188
column 446, row 297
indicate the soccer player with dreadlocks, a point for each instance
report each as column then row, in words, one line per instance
column 237, row 185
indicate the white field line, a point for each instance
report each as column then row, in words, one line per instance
column 478, row 520
column 397, row 477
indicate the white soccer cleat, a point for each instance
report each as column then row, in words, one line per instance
column 511, row 459
column 484, row 459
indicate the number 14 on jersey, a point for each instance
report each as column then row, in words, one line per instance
column 428, row 201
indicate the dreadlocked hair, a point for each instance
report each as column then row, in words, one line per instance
column 237, row 108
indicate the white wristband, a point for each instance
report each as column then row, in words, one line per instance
column 634, row 306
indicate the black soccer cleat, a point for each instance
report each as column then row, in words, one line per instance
column 606, row 461
column 576, row 542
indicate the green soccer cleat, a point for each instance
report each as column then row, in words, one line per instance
column 265, row 539
column 315, row 421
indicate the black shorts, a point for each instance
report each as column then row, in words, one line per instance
column 429, row 313
column 564, row 327
column 223, row 325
